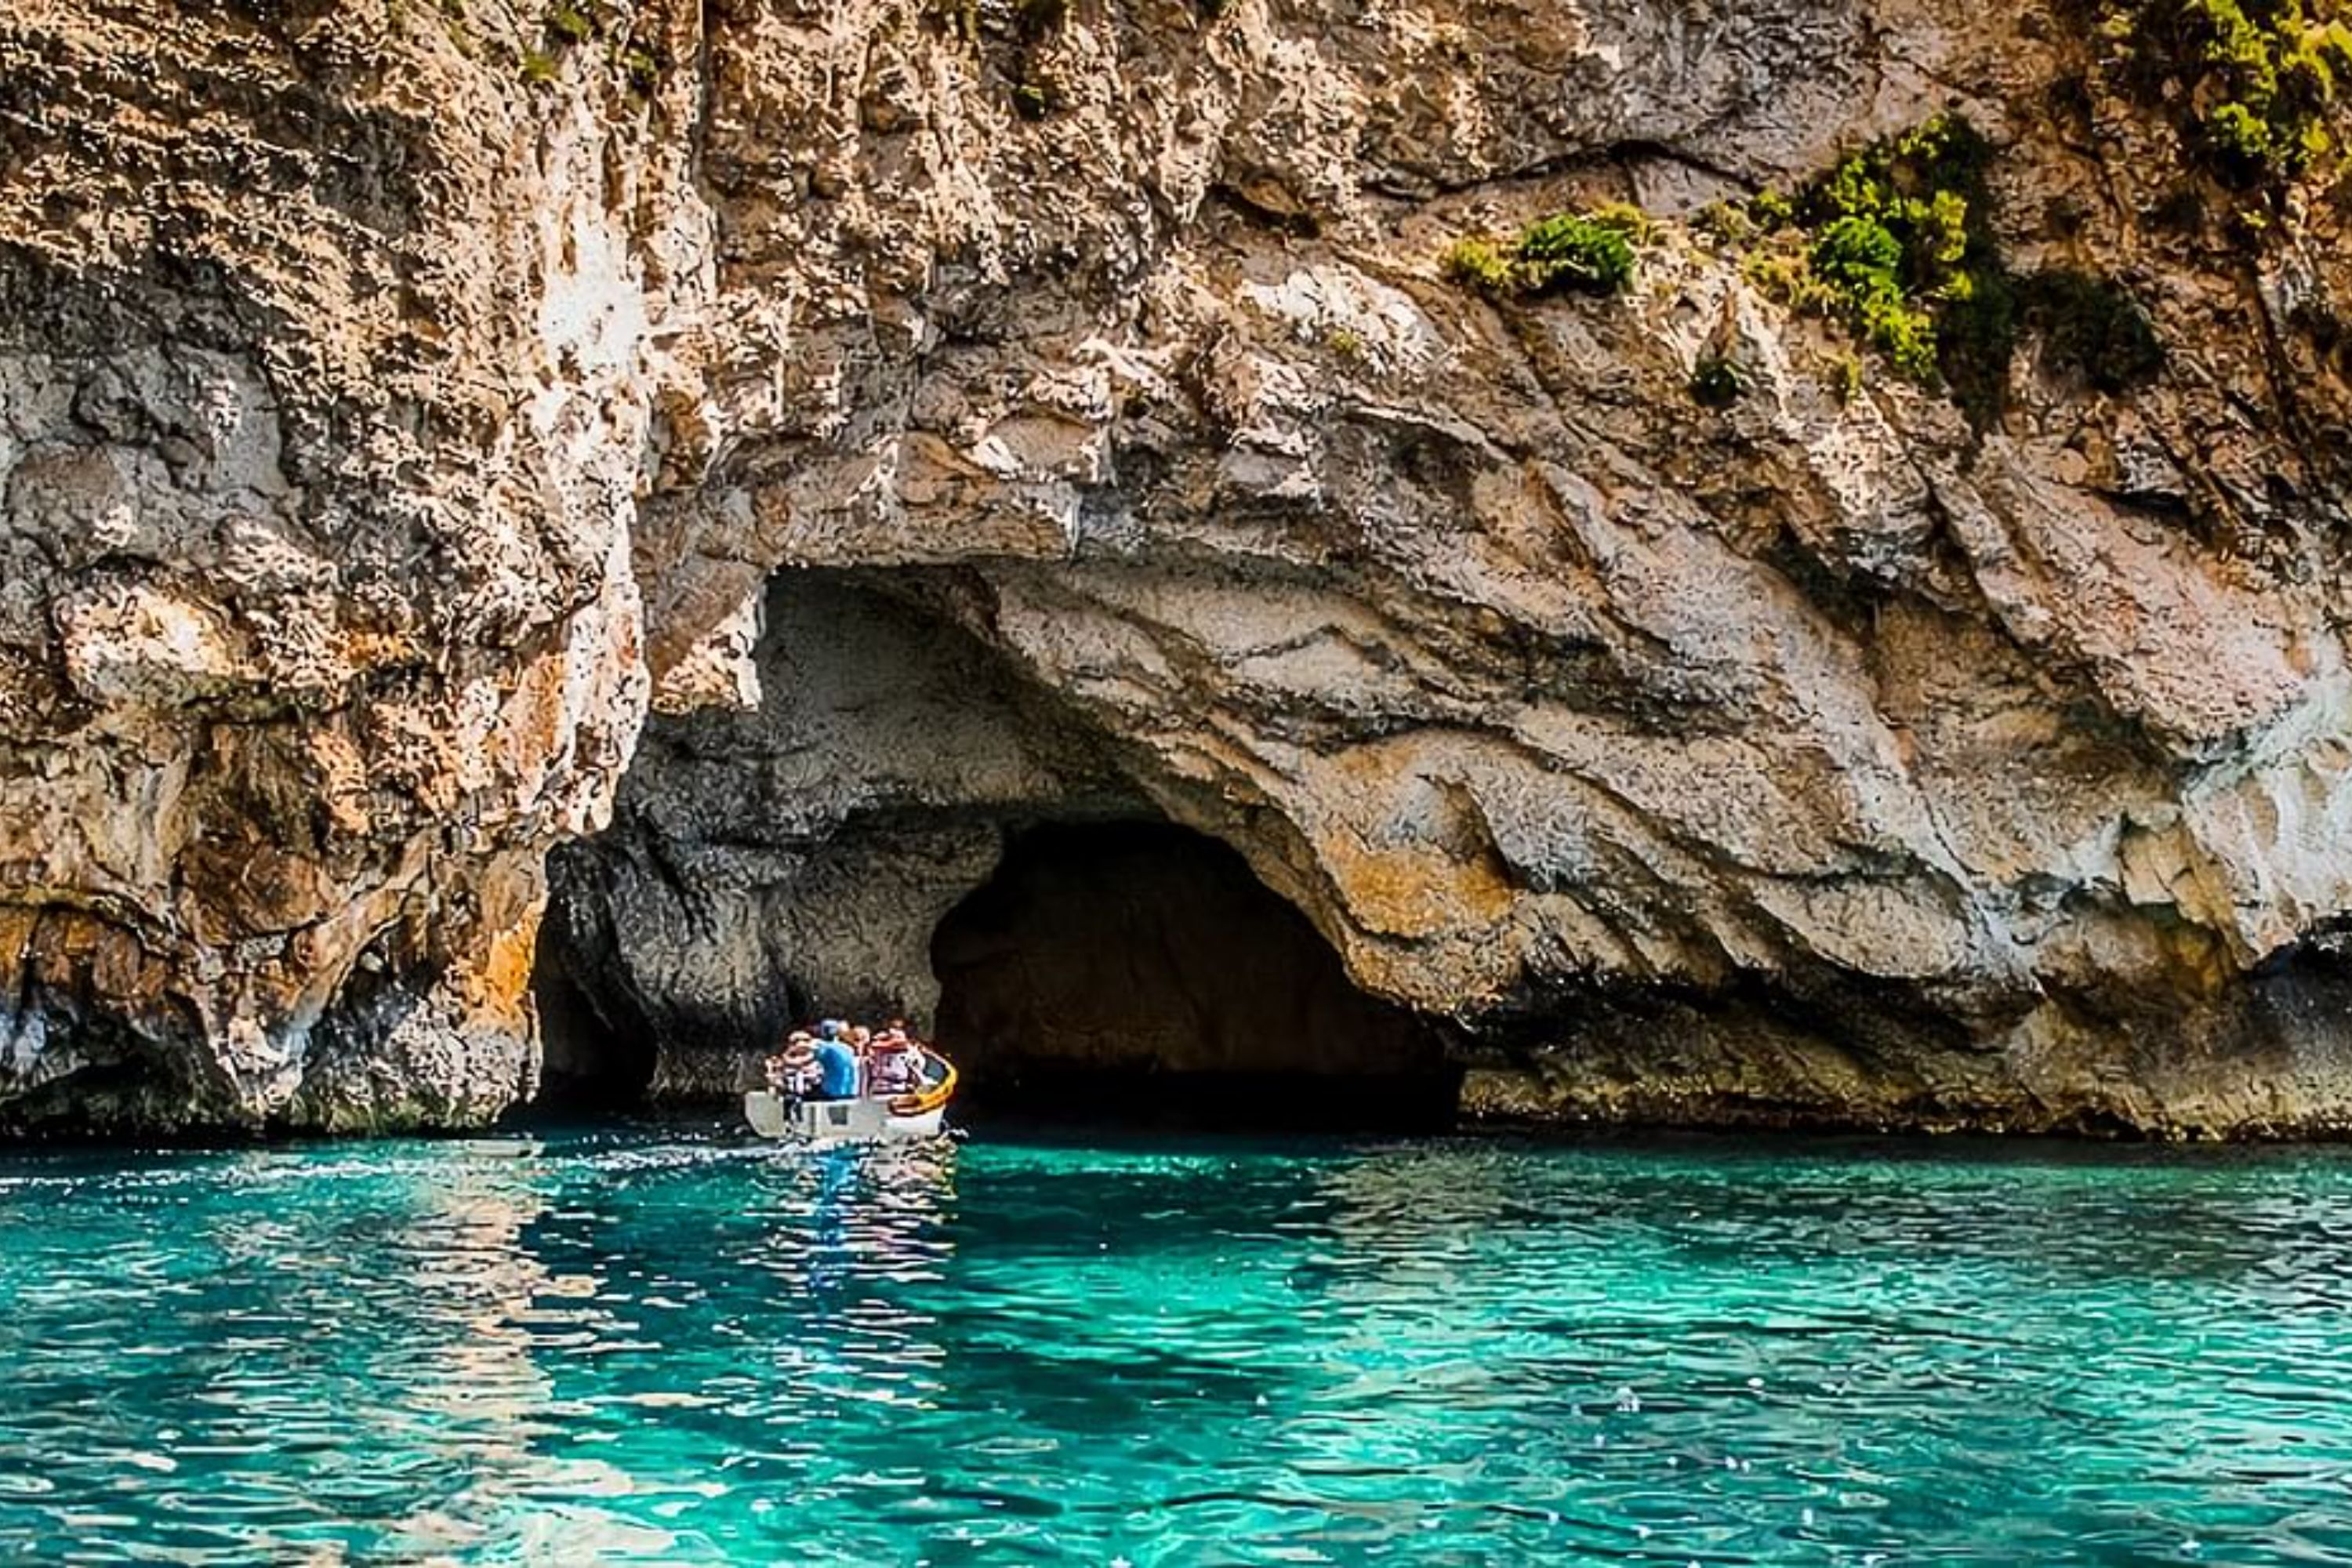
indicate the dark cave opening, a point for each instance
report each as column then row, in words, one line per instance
column 1137, row 972
column 589, row 1065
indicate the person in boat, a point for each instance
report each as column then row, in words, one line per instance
column 792, row 1070
column 836, row 1063
column 894, row 1063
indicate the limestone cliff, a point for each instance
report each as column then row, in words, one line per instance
column 1701, row 700
column 322, row 352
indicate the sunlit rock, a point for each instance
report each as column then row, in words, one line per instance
column 1695, row 717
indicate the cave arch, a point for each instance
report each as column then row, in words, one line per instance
column 1139, row 971
column 907, row 822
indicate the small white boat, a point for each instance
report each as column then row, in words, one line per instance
column 868, row 1119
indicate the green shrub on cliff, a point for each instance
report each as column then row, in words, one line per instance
column 1896, row 241
column 635, row 51
column 1570, row 251
column 569, row 23
column 1771, row 210
column 1590, row 252
column 565, row 25
column 642, row 66
column 2252, row 80
column 1479, row 264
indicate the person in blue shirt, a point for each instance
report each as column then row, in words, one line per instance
column 836, row 1064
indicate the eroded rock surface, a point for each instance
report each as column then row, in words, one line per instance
column 375, row 386
column 321, row 347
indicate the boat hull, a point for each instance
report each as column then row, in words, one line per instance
column 838, row 1121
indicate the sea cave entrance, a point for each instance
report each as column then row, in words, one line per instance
column 1138, row 973
column 911, row 823
column 590, row 1065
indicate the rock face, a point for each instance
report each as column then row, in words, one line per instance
column 955, row 419
column 321, row 347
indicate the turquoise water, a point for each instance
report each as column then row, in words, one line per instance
column 667, row 1347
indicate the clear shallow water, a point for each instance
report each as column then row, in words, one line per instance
column 661, row 1347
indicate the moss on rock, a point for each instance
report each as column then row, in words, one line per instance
column 1587, row 252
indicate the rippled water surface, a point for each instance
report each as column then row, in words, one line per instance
column 666, row 1346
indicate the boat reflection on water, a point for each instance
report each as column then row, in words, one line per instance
column 863, row 1214
column 698, row 1348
